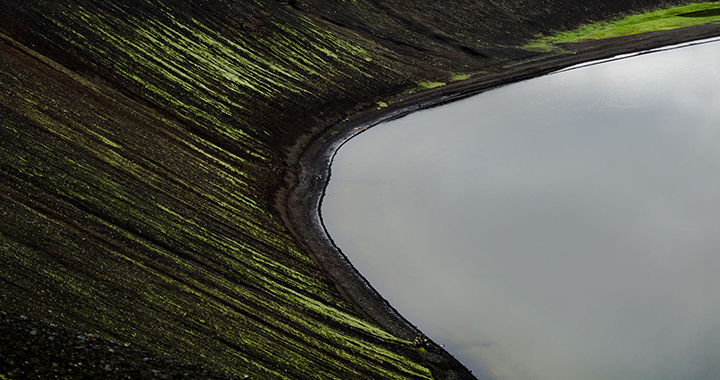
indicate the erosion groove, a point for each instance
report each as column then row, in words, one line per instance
column 149, row 148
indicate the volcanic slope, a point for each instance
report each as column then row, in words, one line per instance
column 143, row 143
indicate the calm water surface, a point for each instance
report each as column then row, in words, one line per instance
column 567, row 227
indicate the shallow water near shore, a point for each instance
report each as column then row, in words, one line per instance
column 560, row 228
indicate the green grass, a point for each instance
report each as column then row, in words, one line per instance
column 661, row 19
column 429, row 85
column 459, row 77
column 423, row 86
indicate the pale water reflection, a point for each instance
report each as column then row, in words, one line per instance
column 562, row 228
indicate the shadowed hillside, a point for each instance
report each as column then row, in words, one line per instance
column 143, row 143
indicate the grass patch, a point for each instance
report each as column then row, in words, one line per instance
column 429, row 85
column 661, row 19
column 459, row 77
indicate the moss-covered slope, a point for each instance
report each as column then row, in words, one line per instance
column 142, row 143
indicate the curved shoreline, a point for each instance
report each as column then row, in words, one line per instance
column 309, row 170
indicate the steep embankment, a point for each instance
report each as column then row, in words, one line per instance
column 143, row 143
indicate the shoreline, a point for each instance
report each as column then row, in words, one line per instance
column 309, row 171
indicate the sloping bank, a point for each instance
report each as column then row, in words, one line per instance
column 148, row 148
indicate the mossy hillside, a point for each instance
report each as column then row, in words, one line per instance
column 650, row 21
column 143, row 141
column 469, row 30
column 253, row 65
column 88, row 248
column 125, row 212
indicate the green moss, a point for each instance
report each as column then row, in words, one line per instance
column 459, row 77
column 429, row 85
column 660, row 19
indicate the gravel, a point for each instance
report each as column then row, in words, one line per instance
column 31, row 349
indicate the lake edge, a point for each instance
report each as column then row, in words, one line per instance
column 301, row 204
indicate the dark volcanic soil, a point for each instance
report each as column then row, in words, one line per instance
column 146, row 157
column 42, row 350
